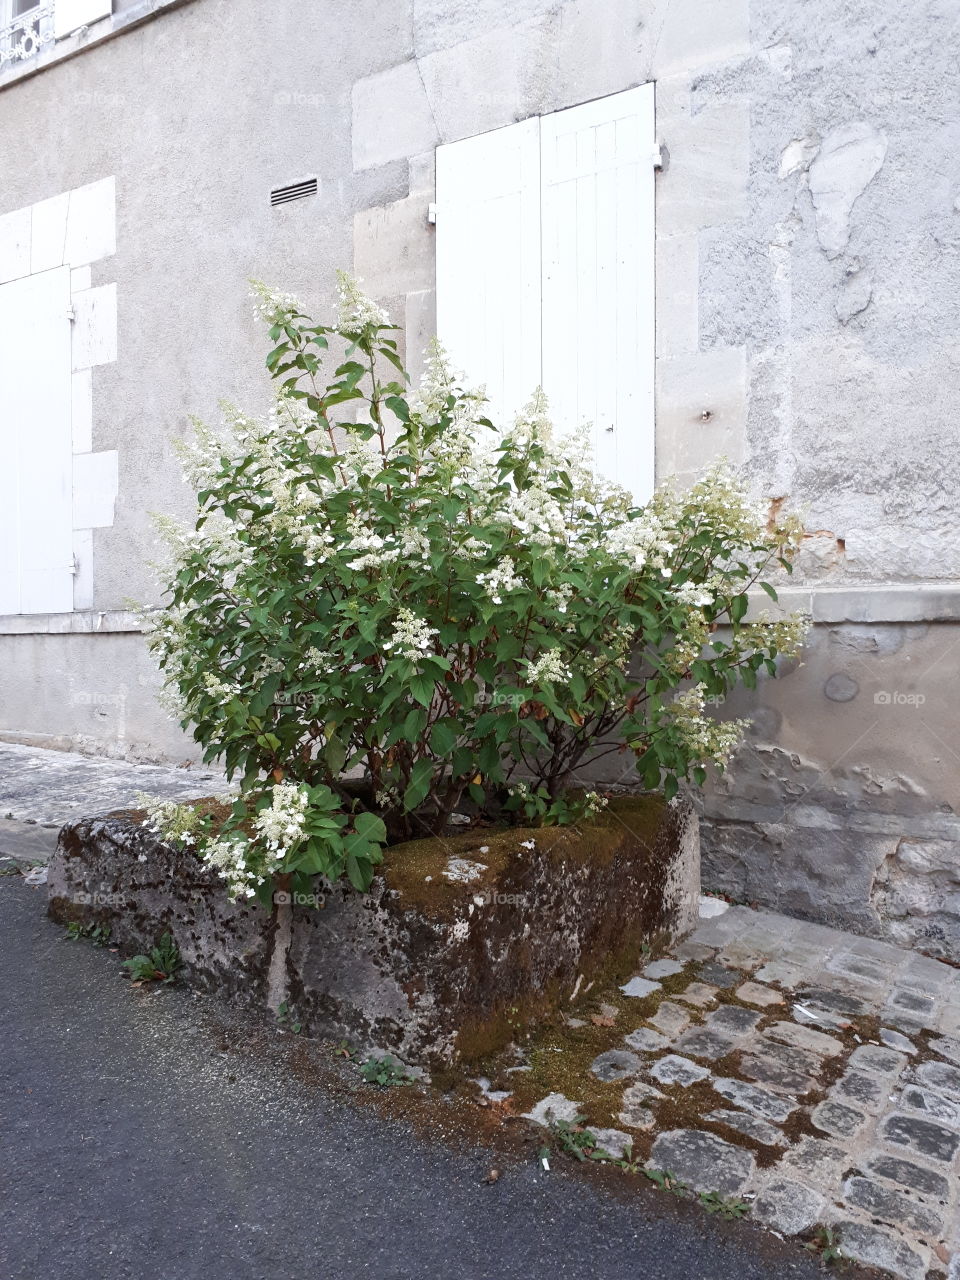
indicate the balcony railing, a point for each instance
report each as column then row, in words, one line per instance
column 25, row 35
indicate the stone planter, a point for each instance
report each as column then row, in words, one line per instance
column 460, row 943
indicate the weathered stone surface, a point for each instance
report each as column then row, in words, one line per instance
column 427, row 968
column 925, row 1137
column 878, row 1248
column 554, row 1107
column 783, row 972
column 670, row 1019
column 835, row 1001
column 698, row 994
column 637, row 1117
column 635, row 1111
column 849, row 158
column 702, row 1160
column 616, row 1064
column 915, row 1176
column 646, row 1040
column 947, row 1049
column 893, row 1206
column 661, row 969
column 756, row 993
column 754, row 1099
column 788, row 1207
column 805, row 1038
column 934, row 1105
column 769, row 1067
column 750, row 1126
column 731, row 1020
column 910, row 1010
column 676, row 1070
column 869, row 1092
column 719, row 976
column 838, row 1120
column 881, row 1061
column 701, row 1042
column 640, row 987
column 938, row 1075
column 613, row 1141
column 894, row 1040
column 816, row 1161
column 693, row 951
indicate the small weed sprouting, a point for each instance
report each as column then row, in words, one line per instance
column 666, row 1181
column 728, row 1207
column 286, row 1019
column 345, row 1050
column 580, row 1142
column 98, row 934
column 384, row 1072
column 159, row 965
column 826, row 1244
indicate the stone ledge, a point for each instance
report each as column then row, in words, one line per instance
column 460, row 943
column 82, row 622
column 867, row 603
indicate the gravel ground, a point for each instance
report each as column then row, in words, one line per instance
column 140, row 1140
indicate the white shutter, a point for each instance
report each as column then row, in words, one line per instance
column 68, row 15
column 36, row 462
column 488, row 261
column 598, row 278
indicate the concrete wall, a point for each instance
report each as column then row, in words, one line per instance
column 808, row 305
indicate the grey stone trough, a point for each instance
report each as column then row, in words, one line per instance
column 460, row 943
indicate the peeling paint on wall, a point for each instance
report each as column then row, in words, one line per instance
column 848, row 160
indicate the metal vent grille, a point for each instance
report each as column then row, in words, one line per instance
column 296, row 191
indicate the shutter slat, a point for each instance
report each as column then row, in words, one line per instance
column 602, row 152
column 36, row 507
column 488, row 261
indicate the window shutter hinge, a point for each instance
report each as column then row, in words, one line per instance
column 74, row 565
column 431, row 213
column 71, row 313
column 656, row 156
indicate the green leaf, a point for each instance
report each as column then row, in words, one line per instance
column 420, row 777
column 371, row 827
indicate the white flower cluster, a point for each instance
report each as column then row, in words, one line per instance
column 355, row 309
column 282, row 825
column 228, row 856
column 707, row 740
column 177, row 823
column 594, row 803
column 697, row 597
column 548, row 669
column 499, row 580
column 640, row 541
column 411, row 635
column 271, row 305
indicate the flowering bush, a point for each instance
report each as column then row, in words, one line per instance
column 386, row 610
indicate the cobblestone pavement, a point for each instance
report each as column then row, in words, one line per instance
column 818, row 1076
column 812, row 1073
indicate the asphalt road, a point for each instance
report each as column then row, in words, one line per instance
column 134, row 1145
